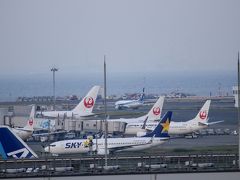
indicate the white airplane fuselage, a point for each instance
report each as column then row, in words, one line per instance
column 130, row 120
column 134, row 104
column 67, row 114
column 113, row 144
column 153, row 114
column 22, row 133
column 84, row 107
column 177, row 128
column 57, row 114
column 174, row 129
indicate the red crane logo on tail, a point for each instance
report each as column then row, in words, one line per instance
column 30, row 122
column 88, row 102
column 203, row 114
column 156, row 111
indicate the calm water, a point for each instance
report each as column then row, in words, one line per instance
column 41, row 85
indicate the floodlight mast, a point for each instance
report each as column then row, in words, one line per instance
column 105, row 112
column 238, row 107
column 54, row 98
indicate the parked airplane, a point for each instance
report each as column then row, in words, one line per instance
column 27, row 131
column 134, row 104
column 177, row 128
column 83, row 109
column 12, row 146
column 158, row 136
column 154, row 113
column 191, row 126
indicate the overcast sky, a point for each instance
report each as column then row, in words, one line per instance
column 136, row 35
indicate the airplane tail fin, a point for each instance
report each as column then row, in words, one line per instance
column 31, row 120
column 142, row 96
column 156, row 110
column 202, row 115
column 162, row 128
column 87, row 103
column 12, row 146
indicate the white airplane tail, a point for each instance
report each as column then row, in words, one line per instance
column 202, row 115
column 156, row 110
column 30, row 122
column 87, row 103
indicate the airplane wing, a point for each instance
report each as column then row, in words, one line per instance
column 215, row 122
column 88, row 115
column 46, row 134
column 25, row 130
column 210, row 123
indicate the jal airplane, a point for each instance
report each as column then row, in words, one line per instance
column 153, row 114
column 83, row 109
column 177, row 128
column 12, row 146
column 158, row 136
column 26, row 132
column 134, row 104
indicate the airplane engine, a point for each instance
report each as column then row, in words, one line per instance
column 102, row 152
column 117, row 107
column 141, row 133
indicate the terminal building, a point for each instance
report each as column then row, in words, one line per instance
column 17, row 116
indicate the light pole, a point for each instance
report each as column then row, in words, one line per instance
column 54, row 104
column 105, row 111
column 238, row 107
column 54, row 98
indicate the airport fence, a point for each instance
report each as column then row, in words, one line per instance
column 118, row 164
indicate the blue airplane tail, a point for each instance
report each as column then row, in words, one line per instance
column 142, row 96
column 12, row 146
column 162, row 128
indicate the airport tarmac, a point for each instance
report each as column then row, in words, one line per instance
column 183, row 110
column 202, row 143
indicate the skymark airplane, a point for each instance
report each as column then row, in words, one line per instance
column 83, row 109
column 177, row 128
column 27, row 131
column 12, row 146
column 158, row 136
column 134, row 104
